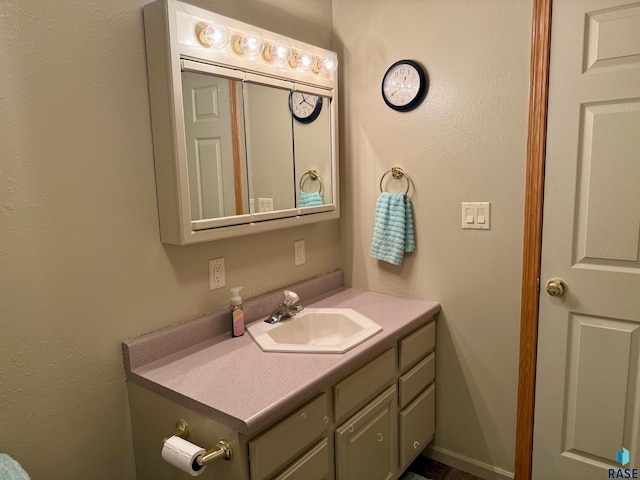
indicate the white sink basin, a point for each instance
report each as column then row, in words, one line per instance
column 315, row 330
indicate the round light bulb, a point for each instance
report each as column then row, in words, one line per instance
column 281, row 53
column 328, row 63
column 278, row 53
column 214, row 35
column 251, row 44
column 305, row 60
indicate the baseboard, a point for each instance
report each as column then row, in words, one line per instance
column 466, row 464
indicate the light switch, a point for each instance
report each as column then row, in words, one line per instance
column 469, row 215
column 481, row 216
column 476, row 215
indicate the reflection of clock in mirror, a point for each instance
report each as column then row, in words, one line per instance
column 305, row 107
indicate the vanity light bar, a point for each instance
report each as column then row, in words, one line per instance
column 253, row 45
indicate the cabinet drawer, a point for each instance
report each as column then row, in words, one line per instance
column 272, row 451
column 360, row 387
column 366, row 446
column 417, row 379
column 314, row 465
column 417, row 426
column 415, row 346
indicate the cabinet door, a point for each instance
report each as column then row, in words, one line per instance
column 358, row 388
column 417, row 426
column 416, row 380
column 366, row 445
column 273, row 450
column 416, row 345
column 314, row 465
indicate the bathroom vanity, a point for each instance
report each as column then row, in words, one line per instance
column 366, row 413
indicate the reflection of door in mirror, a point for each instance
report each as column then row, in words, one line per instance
column 269, row 141
column 313, row 153
column 214, row 150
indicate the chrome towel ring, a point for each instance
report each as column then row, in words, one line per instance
column 397, row 173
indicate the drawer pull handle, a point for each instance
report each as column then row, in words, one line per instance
column 351, row 429
column 325, row 419
column 416, row 444
column 303, row 415
column 380, row 437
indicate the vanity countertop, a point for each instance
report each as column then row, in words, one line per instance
column 234, row 382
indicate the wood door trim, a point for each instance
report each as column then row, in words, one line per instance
column 534, row 190
column 235, row 141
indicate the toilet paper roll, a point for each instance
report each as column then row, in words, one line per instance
column 183, row 454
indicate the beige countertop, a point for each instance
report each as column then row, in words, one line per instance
column 234, row 382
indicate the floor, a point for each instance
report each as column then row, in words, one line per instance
column 433, row 470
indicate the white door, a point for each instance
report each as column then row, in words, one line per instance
column 588, row 373
column 207, row 123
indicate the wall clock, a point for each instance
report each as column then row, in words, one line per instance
column 404, row 85
column 304, row 107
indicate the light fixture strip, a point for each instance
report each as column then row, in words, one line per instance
column 219, row 35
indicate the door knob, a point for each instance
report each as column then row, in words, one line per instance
column 555, row 287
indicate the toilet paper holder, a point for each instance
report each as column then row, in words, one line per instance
column 221, row 450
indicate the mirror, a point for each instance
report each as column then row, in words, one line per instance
column 213, row 123
column 247, row 152
column 312, row 150
column 242, row 143
column 269, row 138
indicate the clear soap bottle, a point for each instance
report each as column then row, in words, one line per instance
column 236, row 313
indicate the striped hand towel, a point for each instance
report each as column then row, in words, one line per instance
column 393, row 234
column 10, row 469
column 310, row 199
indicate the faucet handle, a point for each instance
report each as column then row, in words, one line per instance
column 290, row 298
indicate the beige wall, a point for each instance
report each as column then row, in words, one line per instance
column 81, row 266
column 466, row 142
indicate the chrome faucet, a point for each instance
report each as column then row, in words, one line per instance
column 288, row 308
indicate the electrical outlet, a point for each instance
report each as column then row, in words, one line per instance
column 299, row 253
column 216, row 273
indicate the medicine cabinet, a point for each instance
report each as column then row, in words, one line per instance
column 244, row 126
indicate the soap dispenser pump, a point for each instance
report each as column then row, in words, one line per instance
column 236, row 313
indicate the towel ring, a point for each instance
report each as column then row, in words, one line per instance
column 397, row 173
column 313, row 175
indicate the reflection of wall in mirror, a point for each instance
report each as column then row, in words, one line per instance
column 313, row 152
column 269, row 150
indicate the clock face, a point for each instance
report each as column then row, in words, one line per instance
column 304, row 106
column 404, row 85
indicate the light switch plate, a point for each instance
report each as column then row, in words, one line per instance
column 476, row 215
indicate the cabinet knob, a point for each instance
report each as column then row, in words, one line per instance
column 380, row 437
column 416, row 444
column 351, row 429
column 325, row 419
column 303, row 415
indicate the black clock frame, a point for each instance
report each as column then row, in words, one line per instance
column 422, row 91
column 314, row 114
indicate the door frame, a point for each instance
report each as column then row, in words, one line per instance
column 532, row 244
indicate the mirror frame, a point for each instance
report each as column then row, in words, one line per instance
column 172, row 45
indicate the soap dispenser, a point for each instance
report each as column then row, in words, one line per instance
column 236, row 313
